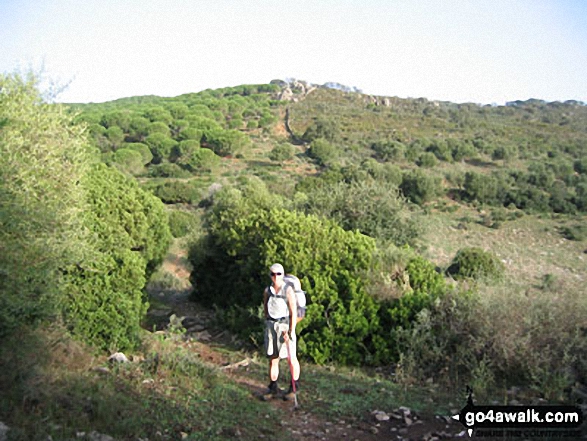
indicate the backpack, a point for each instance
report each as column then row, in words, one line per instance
column 295, row 283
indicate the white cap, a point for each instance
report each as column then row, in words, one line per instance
column 277, row 268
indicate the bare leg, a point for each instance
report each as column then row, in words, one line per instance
column 274, row 369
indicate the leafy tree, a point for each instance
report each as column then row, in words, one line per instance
column 143, row 149
column 158, row 127
column 43, row 157
column 128, row 160
column 160, row 146
column 115, row 135
column 116, row 118
column 139, row 128
column 225, row 142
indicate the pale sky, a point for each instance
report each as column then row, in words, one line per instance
column 481, row 51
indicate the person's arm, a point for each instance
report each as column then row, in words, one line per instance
column 293, row 310
column 265, row 298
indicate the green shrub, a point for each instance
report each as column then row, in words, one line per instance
column 104, row 304
column 168, row 170
column 322, row 128
column 43, row 156
column 225, row 142
column 245, row 238
column 177, row 192
column 181, row 223
column 476, row 263
column 143, row 149
column 577, row 232
column 375, row 208
column 389, row 150
column 322, row 151
column 427, row 160
column 420, row 187
column 127, row 160
column 282, row 152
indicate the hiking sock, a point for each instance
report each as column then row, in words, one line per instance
column 273, row 387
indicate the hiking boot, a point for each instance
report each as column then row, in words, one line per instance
column 290, row 394
column 273, row 391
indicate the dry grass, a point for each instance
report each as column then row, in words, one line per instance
column 530, row 247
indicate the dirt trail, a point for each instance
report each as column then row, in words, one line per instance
column 302, row 423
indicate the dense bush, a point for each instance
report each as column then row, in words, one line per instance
column 168, row 170
column 322, row 151
column 177, row 192
column 246, row 238
column 322, row 128
column 43, row 157
column 129, row 161
column 130, row 237
column 419, row 186
column 476, row 263
column 375, row 208
column 181, row 223
column 225, row 142
column 282, row 152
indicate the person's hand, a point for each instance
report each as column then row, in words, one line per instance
column 285, row 336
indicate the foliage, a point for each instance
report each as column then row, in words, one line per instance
column 375, row 208
column 226, row 142
column 43, row 157
column 128, row 160
column 282, row 152
column 322, row 151
column 130, row 237
column 425, row 286
column 176, row 192
column 475, row 263
column 181, row 223
column 419, row 187
column 576, row 232
column 322, row 128
column 168, row 170
column 246, row 238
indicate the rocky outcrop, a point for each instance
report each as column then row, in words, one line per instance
column 295, row 91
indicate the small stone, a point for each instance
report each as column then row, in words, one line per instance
column 118, row 357
column 381, row 416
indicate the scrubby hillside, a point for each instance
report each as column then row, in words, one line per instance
column 441, row 244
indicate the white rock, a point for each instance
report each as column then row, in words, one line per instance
column 382, row 416
column 118, row 357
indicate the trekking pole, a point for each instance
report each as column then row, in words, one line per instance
column 291, row 371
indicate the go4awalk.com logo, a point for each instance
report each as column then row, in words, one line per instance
column 522, row 421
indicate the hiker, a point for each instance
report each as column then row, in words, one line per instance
column 280, row 307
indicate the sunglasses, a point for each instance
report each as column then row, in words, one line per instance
column 274, row 274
